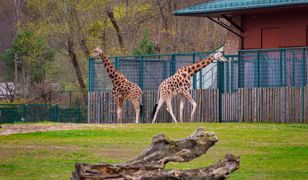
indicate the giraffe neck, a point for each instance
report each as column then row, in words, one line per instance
column 110, row 69
column 198, row 66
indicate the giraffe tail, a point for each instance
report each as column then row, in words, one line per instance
column 154, row 110
column 141, row 111
column 155, row 106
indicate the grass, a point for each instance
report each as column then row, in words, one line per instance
column 268, row 151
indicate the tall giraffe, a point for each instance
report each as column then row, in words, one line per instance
column 179, row 84
column 122, row 88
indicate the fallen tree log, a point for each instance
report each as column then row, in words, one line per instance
column 150, row 164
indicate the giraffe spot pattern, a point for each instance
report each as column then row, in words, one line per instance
column 180, row 82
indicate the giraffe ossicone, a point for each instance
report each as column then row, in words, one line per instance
column 180, row 84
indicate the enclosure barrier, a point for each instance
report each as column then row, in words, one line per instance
column 13, row 113
column 273, row 67
column 276, row 105
column 260, row 85
column 283, row 67
column 148, row 71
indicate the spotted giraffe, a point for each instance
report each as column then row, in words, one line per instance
column 179, row 84
column 122, row 88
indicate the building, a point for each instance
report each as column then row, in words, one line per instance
column 270, row 38
column 257, row 24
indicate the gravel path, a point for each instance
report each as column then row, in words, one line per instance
column 26, row 128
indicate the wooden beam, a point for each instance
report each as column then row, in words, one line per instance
column 233, row 23
column 225, row 26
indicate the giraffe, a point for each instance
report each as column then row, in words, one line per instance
column 122, row 88
column 179, row 84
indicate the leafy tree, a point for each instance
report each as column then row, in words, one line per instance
column 146, row 46
column 34, row 60
column 8, row 58
column 34, row 56
column 58, row 21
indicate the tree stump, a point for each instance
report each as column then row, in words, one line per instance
column 150, row 164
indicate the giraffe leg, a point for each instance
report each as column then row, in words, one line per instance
column 182, row 101
column 159, row 104
column 119, row 104
column 193, row 103
column 169, row 109
column 136, row 104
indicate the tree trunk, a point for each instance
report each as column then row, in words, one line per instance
column 74, row 61
column 150, row 164
column 116, row 27
column 84, row 48
column 69, row 12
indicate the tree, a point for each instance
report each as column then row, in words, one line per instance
column 7, row 91
column 34, row 60
column 116, row 27
column 146, row 46
column 58, row 22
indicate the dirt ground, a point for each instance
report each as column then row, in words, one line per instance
column 26, row 128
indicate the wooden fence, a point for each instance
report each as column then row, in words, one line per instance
column 278, row 105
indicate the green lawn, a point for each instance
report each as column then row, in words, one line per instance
column 268, row 151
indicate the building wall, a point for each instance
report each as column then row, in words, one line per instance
column 233, row 42
column 276, row 30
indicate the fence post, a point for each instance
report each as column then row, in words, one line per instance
column 200, row 80
column 91, row 74
column 232, row 75
column 141, row 73
column 194, row 77
column 293, row 68
column 70, row 99
column 52, row 114
column 78, row 114
column 58, row 114
column 281, row 66
column 24, row 116
column 220, row 85
column 304, row 67
column 226, row 74
column 258, row 69
column 239, row 85
column 116, row 63
column 55, row 114
column 303, row 86
column 172, row 65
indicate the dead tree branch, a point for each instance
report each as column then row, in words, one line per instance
column 150, row 164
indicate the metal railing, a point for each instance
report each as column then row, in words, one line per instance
column 250, row 68
column 284, row 67
column 148, row 71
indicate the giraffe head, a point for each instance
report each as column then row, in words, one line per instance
column 219, row 56
column 97, row 52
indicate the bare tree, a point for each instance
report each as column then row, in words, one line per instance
column 69, row 12
column 7, row 91
column 116, row 27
